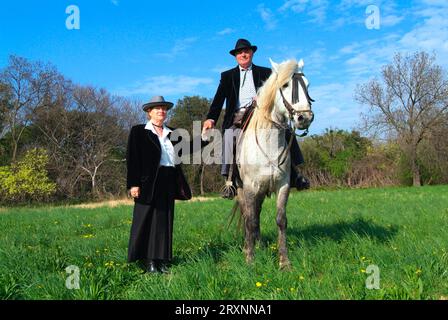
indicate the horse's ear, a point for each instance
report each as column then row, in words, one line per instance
column 300, row 64
column 274, row 65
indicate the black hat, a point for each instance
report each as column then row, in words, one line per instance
column 157, row 101
column 241, row 44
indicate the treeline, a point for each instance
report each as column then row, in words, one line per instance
column 64, row 141
column 77, row 133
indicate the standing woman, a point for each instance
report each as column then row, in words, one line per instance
column 154, row 182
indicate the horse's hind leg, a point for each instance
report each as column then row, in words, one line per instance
column 282, row 199
column 250, row 225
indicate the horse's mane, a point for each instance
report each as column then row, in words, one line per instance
column 266, row 94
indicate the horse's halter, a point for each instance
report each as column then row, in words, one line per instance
column 297, row 79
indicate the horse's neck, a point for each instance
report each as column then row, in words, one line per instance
column 272, row 130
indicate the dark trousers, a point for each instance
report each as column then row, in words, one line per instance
column 228, row 150
column 152, row 225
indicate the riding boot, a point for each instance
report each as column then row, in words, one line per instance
column 298, row 180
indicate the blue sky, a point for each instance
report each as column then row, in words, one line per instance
column 178, row 48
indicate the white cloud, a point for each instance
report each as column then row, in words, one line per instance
column 391, row 20
column 220, row 69
column 441, row 3
column 225, row 31
column 360, row 61
column 363, row 60
column 431, row 34
column 334, row 106
column 267, row 16
column 294, row 5
column 315, row 61
column 166, row 85
column 179, row 47
column 347, row 4
column 316, row 9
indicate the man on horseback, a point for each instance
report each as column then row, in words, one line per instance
column 238, row 87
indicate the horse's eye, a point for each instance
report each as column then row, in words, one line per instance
column 285, row 85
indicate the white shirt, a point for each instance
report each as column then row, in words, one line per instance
column 168, row 156
column 247, row 87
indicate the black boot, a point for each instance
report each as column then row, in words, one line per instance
column 151, row 268
column 302, row 183
column 298, row 180
column 163, row 267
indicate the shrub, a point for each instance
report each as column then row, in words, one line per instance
column 27, row 180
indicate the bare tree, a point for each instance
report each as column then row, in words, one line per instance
column 85, row 134
column 411, row 99
column 27, row 88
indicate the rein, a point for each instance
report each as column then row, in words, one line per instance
column 292, row 112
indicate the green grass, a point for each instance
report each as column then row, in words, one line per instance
column 333, row 236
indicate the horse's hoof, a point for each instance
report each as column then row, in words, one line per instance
column 285, row 266
column 250, row 260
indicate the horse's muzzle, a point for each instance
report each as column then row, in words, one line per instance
column 304, row 119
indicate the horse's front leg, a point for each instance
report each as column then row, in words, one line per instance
column 282, row 222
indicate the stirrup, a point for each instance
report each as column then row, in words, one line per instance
column 228, row 191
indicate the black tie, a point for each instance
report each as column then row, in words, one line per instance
column 244, row 77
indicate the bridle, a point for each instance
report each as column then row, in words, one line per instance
column 297, row 79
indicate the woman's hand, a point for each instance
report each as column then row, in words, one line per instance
column 135, row 192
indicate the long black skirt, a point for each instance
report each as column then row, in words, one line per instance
column 152, row 225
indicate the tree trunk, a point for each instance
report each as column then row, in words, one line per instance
column 416, row 175
column 94, row 193
column 416, row 180
column 14, row 151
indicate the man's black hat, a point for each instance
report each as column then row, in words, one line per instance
column 242, row 44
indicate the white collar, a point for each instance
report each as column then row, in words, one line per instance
column 150, row 126
column 248, row 69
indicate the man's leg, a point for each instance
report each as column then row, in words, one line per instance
column 297, row 179
column 228, row 149
column 228, row 156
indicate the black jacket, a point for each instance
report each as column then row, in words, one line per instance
column 143, row 158
column 228, row 90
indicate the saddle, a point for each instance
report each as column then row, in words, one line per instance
column 242, row 117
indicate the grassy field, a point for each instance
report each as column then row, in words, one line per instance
column 333, row 237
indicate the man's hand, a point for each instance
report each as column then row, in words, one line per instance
column 135, row 192
column 208, row 124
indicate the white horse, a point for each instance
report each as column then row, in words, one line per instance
column 263, row 155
